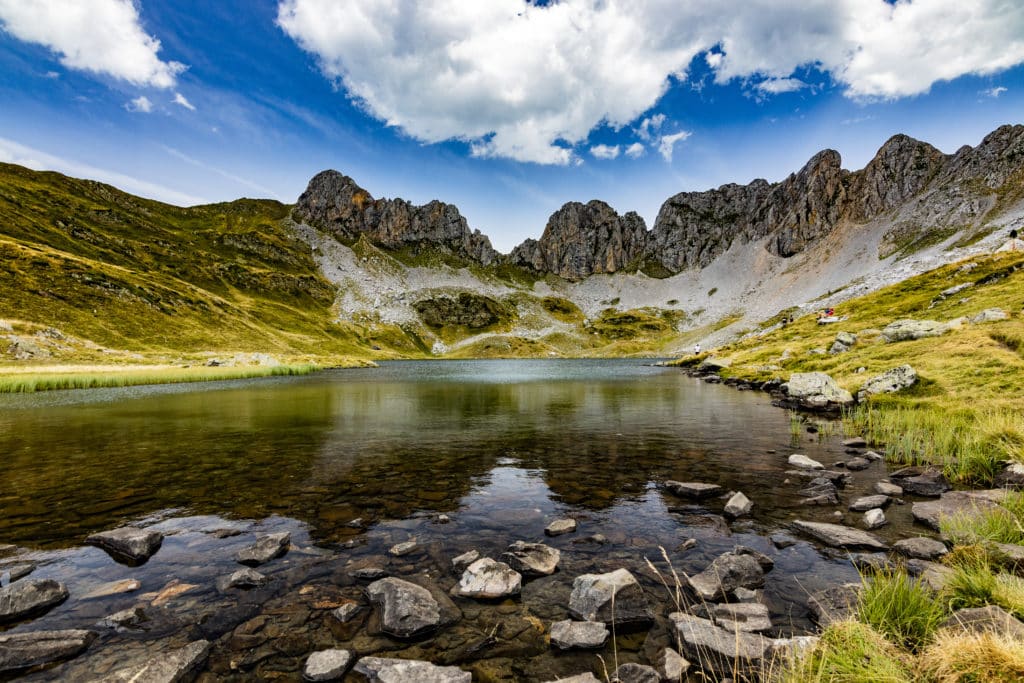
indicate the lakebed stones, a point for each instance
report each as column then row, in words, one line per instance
column 406, row 610
column 834, row 604
column 243, row 578
column 805, row 463
column 487, row 579
column 693, row 490
column 532, row 559
column 20, row 651
column 820, row 491
column 560, row 526
column 920, row 548
column 113, row 588
column 921, row 481
column 591, row 599
column 856, row 464
column 465, row 559
column 327, row 665
column 886, row 489
column 816, row 391
column 956, row 504
column 750, row 617
column 169, row 667
column 129, row 545
column 738, row 506
column 874, row 519
column 404, row 548
column 385, row 670
column 726, row 573
column 27, row 598
column 890, row 381
column 865, row 503
column 125, row 619
column 839, row 536
column 265, row 549
column 587, row 635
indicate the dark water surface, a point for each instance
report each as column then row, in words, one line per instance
column 453, row 454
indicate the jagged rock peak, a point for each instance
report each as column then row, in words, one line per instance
column 334, row 202
column 901, row 168
column 583, row 239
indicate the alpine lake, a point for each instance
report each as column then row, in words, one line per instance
column 453, row 455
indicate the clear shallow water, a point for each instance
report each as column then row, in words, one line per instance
column 499, row 447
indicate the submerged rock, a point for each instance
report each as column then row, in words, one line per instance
column 532, row 559
column 169, row 667
column 23, row 599
column 265, row 549
column 384, row 670
column 591, row 599
column 404, row 548
column 856, row 464
column 568, row 634
column 560, row 526
column 25, row 650
column 488, row 579
column 130, row 545
column 803, row 462
column 113, row 588
column 865, row 503
column 839, row 536
column 693, row 489
column 327, row 665
column 406, row 610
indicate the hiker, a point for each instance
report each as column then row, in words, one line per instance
column 696, row 350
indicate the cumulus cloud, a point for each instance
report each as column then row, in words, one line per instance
column 635, row 151
column 102, row 36
column 181, row 100
column 529, row 82
column 140, row 104
column 994, row 92
column 667, row 144
column 604, row 151
column 650, row 126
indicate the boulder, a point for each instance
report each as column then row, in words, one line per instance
column 591, row 599
column 636, row 673
column 805, row 463
column 671, row 665
column 177, row 665
column 843, row 342
column 560, row 526
column 750, row 617
column 990, row 315
column 28, row 598
column 834, row 604
column 406, row 610
column 25, row 650
column 129, row 545
column 909, row 329
column 265, row 549
column 738, row 506
column 988, row 618
column 929, row 482
column 865, row 503
column 384, row 670
column 890, row 381
column 920, row 548
column 327, row 665
column 874, row 519
column 816, row 391
column 694, row 490
column 955, row 503
column 587, row 635
column 726, row 573
column 532, row 559
column 839, row 536
column 488, row 579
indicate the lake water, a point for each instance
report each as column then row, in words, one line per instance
column 457, row 455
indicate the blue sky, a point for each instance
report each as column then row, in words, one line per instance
column 504, row 108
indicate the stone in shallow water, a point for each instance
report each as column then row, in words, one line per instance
column 591, row 599
column 465, row 559
column 874, row 519
column 834, row 604
column 839, row 536
column 928, row 482
column 23, row 599
column 857, row 464
column 693, row 489
column 865, row 503
column 887, row 489
column 406, row 609
column 956, row 503
column 24, row 650
column 636, row 673
column 560, row 526
column 532, row 559
column 113, row 588
column 745, row 616
column 488, row 579
column 130, row 545
column 855, row 442
column 384, row 670
column 726, row 573
column 738, row 506
column 327, row 665
column 17, row 571
column 125, row 619
column 168, row 667
column 920, row 548
column 404, row 548
column 803, row 462
column 345, row 613
column 243, row 578
column 715, row 647
column 265, row 549
column 568, row 634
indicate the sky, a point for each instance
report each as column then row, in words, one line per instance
column 506, row 108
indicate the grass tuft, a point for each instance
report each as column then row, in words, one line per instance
column 902, row 609
column 962, row 656
column 849, row 652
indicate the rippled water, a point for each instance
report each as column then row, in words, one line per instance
column 353, row 461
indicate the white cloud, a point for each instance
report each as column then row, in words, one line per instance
column 102, row 36
column 604, row 151
column 994, row 92
column 140, row 104
column 519, row 80
column 635, row 151
column 668, row 143
column 180, row 99
column 650, row 126
column 15, row 153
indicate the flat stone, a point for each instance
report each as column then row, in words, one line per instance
column 404, row 548
column 803, row 462
column 327, row 665
column 694, row 490
column 560, row 526
column 112, row 588
column 587, row 635
column 726, row 573
column 465, row 559
column 265, row 549
column 25, row 650
column 705, row 642
column 834, row 476
column 128, row 544
column 839, row 536
column 17, row 571
column 834, row 604
column 990, row 315
column 856, row 464
column 874, row 519
column 591, row 599
column 345, row 613
column 368, row 573
column 886, row 489
column 782, row 540
column 243, row 578
column 488, row 579
column 920, row 548
column 125, row 619
column 989, row 618
column 170, row 667
column 873, row 456
column 738, row 506
column 955, row 503
column 865, row 503
column 927, row 482
column 384, row 670
column 406, row 610
column 855, row 442
column 671, row 665
column 532, row 559
column 31, row 597
column 636, row 673
column 749, row 617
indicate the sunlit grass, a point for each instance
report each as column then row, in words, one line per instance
column 902, row 609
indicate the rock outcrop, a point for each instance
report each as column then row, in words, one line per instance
column 335, row 203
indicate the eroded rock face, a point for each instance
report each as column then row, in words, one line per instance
column 583, row 239
column 335, row 203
